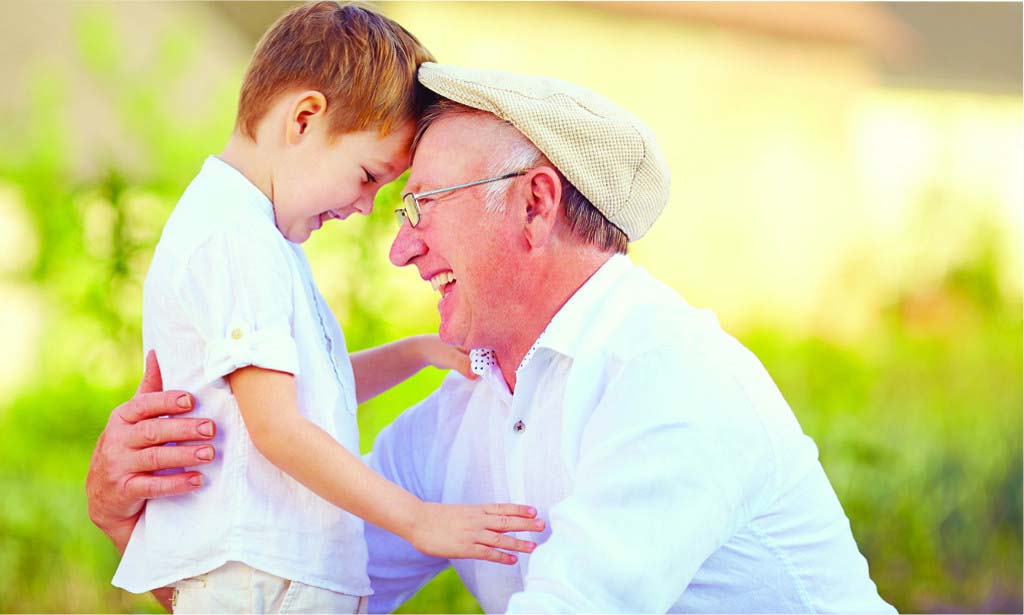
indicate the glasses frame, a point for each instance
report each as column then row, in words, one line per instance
column 411, row 203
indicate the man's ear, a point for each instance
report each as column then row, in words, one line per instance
column 543, row 198
column 308, row 109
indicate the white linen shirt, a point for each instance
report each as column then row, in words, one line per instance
column 673, row 475
column 226, row 290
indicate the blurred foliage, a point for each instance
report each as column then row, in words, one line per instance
column 918, row 422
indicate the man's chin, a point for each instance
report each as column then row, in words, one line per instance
column 449, row 335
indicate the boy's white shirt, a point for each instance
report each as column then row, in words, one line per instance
column 226, row 290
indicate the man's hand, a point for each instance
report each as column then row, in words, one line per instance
column 131, row 448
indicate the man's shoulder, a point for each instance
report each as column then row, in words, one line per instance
column 644, row 315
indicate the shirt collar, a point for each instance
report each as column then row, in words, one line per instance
column 227, row 175
column 565, row 330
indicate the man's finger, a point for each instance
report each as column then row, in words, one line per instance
column 152, row 381
column 146, row 486
column 170, row 457
column 152, row 405
column 161, row 431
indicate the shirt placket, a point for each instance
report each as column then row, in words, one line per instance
column 322, row 323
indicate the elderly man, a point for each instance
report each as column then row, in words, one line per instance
column 673, row 474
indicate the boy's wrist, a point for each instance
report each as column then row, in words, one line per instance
column 420, row 346
column 410, row 523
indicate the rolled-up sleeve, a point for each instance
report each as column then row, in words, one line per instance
column 658, row 488
column 237, row 291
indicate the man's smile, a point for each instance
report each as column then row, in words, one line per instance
column 442, row 281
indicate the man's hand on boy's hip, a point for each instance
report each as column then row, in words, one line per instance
column 131, row 448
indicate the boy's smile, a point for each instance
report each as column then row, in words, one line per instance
column 324, row 179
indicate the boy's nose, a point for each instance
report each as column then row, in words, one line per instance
column 364, row 205
column 407, row 245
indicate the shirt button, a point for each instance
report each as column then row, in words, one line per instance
column 519, row 427
column 236, row 334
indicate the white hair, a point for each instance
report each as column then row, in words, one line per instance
column 520, row 155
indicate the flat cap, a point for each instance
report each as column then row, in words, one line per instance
column 605, row 151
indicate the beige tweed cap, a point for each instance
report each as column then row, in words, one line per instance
column 604, row 150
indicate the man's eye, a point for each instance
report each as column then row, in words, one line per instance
column 370, row 177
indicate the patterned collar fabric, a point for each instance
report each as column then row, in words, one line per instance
column 481, row 360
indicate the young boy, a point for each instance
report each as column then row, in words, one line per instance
column 325, row 118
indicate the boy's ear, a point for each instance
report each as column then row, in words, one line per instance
column 308, row 109
column 543, row 198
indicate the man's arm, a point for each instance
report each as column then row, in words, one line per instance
column 671, row 463
column 131, row 449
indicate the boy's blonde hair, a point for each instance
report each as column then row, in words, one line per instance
column 363, row 63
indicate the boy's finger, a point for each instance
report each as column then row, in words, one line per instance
column 515, row 510
column 506, row 542
column 508, row 523
column 161, row 431
column 152, row 405
column 463, row 366
column 493, row 555
column 146, row 486
column 171, row 457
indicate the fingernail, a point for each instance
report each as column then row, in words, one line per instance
column 532, row 510
column 184, row 401
column 196, row 480
column 539, row 524
column 205, row 428
column 532, row 546
column 205, row 453
column 514, row 558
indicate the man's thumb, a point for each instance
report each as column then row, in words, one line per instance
column 152, row 381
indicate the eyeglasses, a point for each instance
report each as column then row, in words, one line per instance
column 411, row 200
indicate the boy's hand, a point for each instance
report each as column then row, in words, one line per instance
column 442, row 356
column 473, row 531
column 131, row 448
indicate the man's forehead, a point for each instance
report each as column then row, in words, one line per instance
column 449, row 148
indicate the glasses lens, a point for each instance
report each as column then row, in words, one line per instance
column 400, row 216
column 412, row 211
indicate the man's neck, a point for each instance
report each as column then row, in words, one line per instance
column 559, row 284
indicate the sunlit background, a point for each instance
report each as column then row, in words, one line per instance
column 846, row 197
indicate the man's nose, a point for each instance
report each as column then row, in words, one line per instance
column 407, row 245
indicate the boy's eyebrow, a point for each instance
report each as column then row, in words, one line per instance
column 383, row 166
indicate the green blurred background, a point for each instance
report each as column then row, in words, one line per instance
column 845, row 198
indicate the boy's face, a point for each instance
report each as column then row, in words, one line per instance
column 320, row 180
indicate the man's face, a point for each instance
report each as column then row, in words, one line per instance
column 457, row 239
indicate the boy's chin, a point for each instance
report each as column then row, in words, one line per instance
column 298, row 236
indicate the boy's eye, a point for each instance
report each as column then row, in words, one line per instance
column 370, row 177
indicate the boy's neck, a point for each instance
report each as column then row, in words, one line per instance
column 244, row 156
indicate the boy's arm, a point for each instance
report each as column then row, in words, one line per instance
column 269, row 407
column 378, row 369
